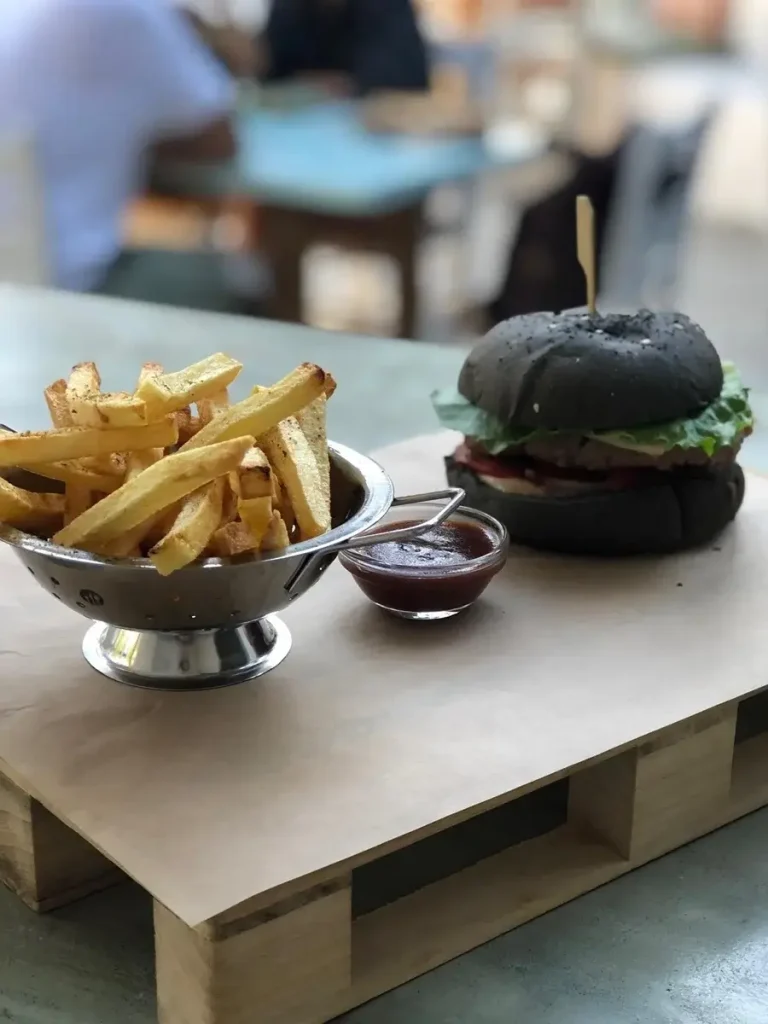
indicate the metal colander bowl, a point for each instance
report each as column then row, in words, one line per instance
column 214, row 622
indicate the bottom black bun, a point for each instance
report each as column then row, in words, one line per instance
column 683, row 510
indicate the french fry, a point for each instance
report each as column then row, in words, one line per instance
column 256, row 513
column 37, row 513
column 114, row 409
column 56, row 400
column 109, row 465
column 174, row 470
column 195, row 524
column 77, row 499
column 276, row 537
column 209, row 408
column 290, row 453
column 83, row 383
column 90, row 407
column 161, row 525
column 283, row 505
column 61, row 417
column 229, row 504
column 187, row 423
column 170, row 392
column 231, row 540
column 312, row 421
column 76, row 442
column 76, row 475
column 73, row 472
column 262, row 411
column 138, row 461
column 160, row 485
column 150, row 370
column 130, row 541
column 329, row 386
column 254, row 478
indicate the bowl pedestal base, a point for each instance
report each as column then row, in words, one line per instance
column 195, row 659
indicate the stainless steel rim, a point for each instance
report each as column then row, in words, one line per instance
column 193, row 660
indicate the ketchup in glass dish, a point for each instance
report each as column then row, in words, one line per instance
column 433, row 575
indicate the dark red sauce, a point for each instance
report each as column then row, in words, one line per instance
column 425, row 573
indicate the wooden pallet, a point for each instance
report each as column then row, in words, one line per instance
column 330, row 833
column 334, row 945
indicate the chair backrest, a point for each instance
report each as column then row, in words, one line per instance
column 23, row 250
column 649, row 212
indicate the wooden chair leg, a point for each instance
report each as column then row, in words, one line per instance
column 283, row 239
column 408, row 232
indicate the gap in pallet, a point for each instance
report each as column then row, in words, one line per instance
column 429, row 860
column 752, row 717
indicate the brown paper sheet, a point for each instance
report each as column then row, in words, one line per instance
column 373, row 728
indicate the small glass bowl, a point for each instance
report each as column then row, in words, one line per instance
column 427, row 593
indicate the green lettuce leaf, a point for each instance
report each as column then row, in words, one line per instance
column 720, row 425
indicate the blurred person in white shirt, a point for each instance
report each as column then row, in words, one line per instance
column 98, row 86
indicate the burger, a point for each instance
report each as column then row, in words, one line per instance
column 600, row 434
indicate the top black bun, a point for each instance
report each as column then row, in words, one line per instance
column 576, row 371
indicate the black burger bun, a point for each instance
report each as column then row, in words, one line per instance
column 683, row 510
column 581, row 371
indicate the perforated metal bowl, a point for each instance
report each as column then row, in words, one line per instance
column 213, row 623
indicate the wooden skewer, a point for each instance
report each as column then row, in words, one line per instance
column 585, row 235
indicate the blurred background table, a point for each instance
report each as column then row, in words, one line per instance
column 319, row 176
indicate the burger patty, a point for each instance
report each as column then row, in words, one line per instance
column 561, row 467
column 572, row 452
column 525, row 475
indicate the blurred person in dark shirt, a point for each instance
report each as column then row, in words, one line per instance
column 96, row 86
column 351, row 46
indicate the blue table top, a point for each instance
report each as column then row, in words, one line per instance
column 322, row 157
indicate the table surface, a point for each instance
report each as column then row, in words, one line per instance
column 321, row 157
column 372, row 729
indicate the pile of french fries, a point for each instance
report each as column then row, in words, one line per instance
column 175, row 471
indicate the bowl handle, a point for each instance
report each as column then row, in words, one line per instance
column 307, row 573
column 454, row 495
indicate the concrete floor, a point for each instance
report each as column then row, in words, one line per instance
column 682, row 941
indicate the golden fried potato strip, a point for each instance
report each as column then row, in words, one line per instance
column 254, row 478
column 193, row 528
column 312, row 421
column 56, row 400
column 276, row 537
column 129, row 542
column 262, row 411
column 77, row 499
column 209, row 408
column 256, row 513
column 76, row 442
column 292, row 456
column 232, row 539
column 167, row 481
column 169, row 392
column 26, row 510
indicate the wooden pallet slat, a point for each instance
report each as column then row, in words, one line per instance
column 279, row 966
column 42, row 860
column 657, row 796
